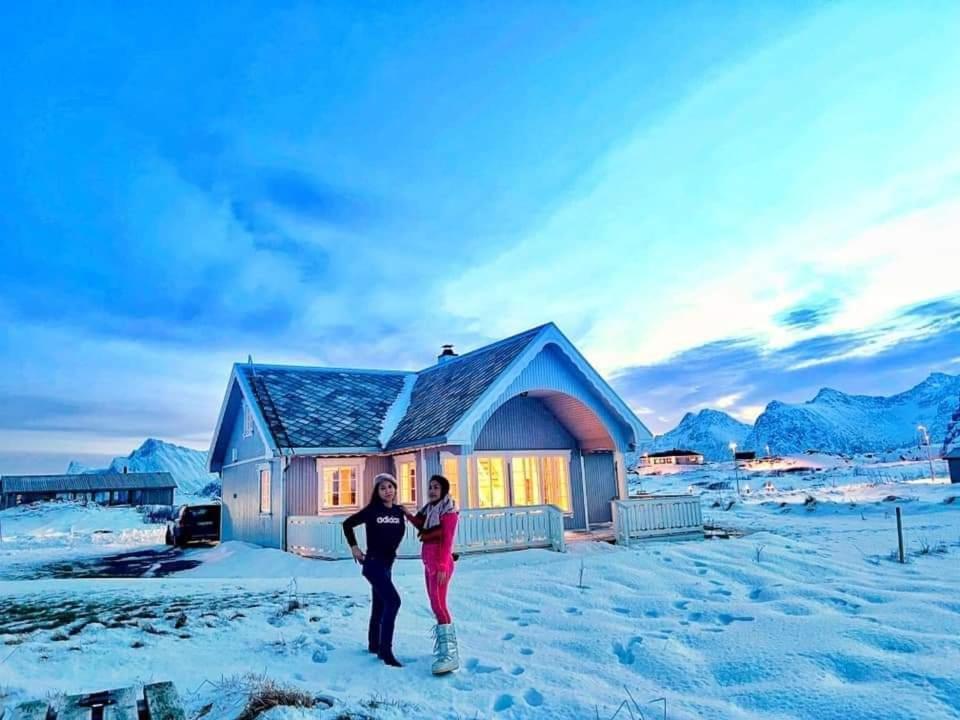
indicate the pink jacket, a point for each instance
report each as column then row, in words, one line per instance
column 437, row 553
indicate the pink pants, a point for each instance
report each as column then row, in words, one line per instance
column 437, row 592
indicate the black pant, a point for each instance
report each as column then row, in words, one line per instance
column 386, row 603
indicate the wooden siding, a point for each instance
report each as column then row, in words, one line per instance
column 247, row 447
column 551, row 371
column 241, row 516
column 302, row 484
column 524, row 423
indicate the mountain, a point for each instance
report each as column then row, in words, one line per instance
column 709, row 432
column 835, row 422
column 188, row 467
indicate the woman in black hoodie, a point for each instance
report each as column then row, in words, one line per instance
column 384, row 524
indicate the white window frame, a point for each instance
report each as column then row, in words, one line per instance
column 247, row 419
column 357, row 462
column 260, row 468
column 417, row 480
column 463, row 486
column 508, row 456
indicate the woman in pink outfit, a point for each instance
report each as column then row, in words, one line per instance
column 437, row 522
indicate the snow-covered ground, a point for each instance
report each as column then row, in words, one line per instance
column 806, row 615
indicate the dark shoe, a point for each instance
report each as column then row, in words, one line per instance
column 388, row 658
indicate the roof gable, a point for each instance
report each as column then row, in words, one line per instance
column 443, row 393
column 323, row 407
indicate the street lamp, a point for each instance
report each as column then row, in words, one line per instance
column 926, row 441
column 736, row 468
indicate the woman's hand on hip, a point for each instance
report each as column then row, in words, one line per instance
column 358, row 555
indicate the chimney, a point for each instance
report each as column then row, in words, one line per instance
column 446, row 354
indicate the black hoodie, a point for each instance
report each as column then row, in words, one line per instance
column 385, row 529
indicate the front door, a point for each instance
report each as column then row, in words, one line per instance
column 601, row 482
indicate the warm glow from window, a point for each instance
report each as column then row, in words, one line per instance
column 556, row 482
column 450, row 467
column 407, row 476
column 339, row 486
column 526, row 480
column 491, row 482
column 265, row 490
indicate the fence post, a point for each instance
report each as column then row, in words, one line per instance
column 900, row 534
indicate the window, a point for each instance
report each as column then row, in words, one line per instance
column 340, row 482
column 525, row 474
column 233, row 454
column 339, row 486
column 265, row 499
column 407, row 477
column 450, row 467
column 247, row 420
column 534, row 478
column 491, row 482
column 556, row 481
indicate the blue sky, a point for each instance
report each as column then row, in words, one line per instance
column 721, row 207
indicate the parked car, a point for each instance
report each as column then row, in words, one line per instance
column 194, row 523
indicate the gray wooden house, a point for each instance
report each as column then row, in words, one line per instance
column 147, row 488
column 532, row 438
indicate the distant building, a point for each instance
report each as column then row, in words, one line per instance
column 953, row 462
column 151, row 488
column 745, row 455
column 672, row 457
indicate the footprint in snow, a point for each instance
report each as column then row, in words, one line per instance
column 508, row 636
column 533, row 698
column 530, row 611
column 573, row 611
column 681, row 604
column 517, row 670
column 651, row 614
column 726, row 619
column 473, row 666
column 526, row 651
column 504, row 702
column 621, row 610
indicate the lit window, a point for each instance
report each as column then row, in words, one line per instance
column 491, row 482
column 339, row 485
column 265, row 504
column 407, row 476
column 556, row 482
column 450, row 466
column 247, row 421
column 525, row 472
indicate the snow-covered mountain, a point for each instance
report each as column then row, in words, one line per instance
column 709, row 432
column 835, row 422
column 188, row 467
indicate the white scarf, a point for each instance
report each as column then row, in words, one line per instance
column 434, row 511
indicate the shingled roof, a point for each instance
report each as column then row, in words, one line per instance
column 87, row 482
column 324, row 407
column 443, row 393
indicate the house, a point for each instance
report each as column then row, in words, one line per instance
column 672, row 457
column 524, row 426
column 147, row 488
column 745, row 455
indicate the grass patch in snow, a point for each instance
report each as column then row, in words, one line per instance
column 264, row 694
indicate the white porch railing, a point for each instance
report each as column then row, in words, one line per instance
column 656, row 516
column 487, row 530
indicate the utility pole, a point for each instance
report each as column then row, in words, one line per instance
column 736, row 467
column 926, row 441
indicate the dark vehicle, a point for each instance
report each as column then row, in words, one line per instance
column 194, row 523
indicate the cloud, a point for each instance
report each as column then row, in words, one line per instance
column 742, row 376
column 807, row 317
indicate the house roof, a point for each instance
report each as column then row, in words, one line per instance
column 87, row 483
column 323, row 407
column 444, row 392
column 676, row 452
column 319, row 411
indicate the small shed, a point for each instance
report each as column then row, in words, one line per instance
column 145, row 488
column 953, row 463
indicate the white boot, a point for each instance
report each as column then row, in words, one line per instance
column 447, row 653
